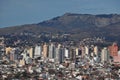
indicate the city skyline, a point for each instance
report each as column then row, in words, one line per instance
column 16, row 12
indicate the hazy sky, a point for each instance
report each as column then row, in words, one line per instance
column 18, row 12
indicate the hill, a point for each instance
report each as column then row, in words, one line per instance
column 78, row 25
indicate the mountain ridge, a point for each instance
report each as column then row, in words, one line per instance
column 89, row 25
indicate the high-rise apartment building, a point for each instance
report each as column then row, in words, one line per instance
column 30, row 52
column 61, row 55
column 13, row 55
column 96, row 50
column 51, row 53
column 82, row 48
column 57, row 53
column 87, row 50
column 72, row 54
column 45, row 50
column 37, row 51
column 113, row 49
column 104, row 54
column 66, row 53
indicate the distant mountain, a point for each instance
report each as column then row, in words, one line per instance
column 79, row 25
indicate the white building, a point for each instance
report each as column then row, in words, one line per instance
column 66, row 53
column 104, row 55
column 38, row 51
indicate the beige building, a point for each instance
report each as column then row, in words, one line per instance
column 77, row 51
column 22, row 62
column 8, row 50
column 45, row 50
column 96, row 50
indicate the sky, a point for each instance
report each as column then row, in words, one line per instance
column 19, row 12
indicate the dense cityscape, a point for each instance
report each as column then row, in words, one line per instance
column 66, row 60
column 59, row 39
